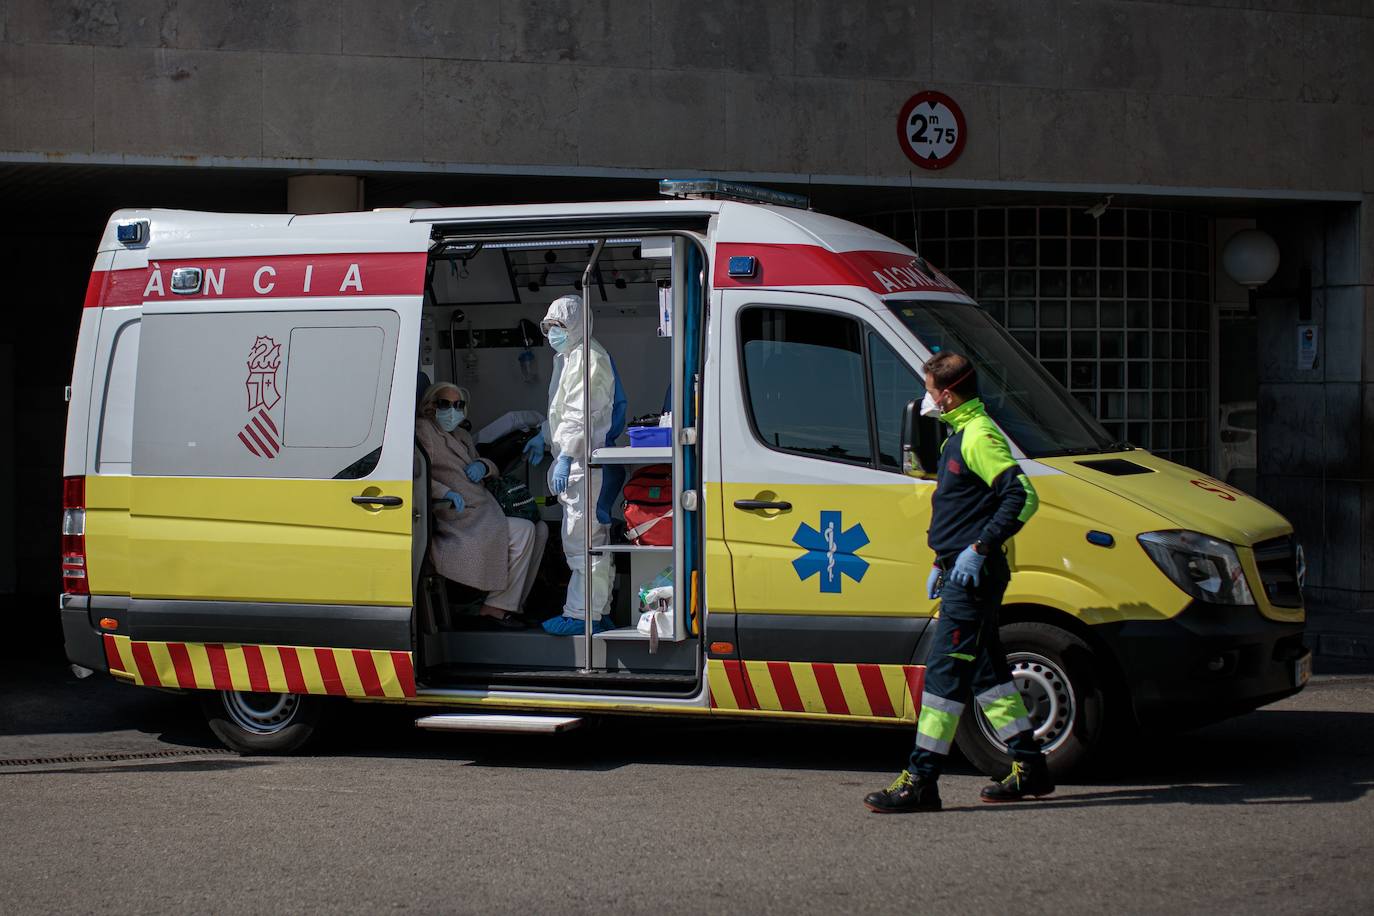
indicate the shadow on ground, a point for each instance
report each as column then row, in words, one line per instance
column 1273, row 756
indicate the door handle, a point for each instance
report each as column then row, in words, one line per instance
column 378, row 500
column 753, row 505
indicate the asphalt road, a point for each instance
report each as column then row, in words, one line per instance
column 1271, row 812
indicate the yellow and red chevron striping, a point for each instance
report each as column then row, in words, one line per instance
column 266, row 669
column 817, row 688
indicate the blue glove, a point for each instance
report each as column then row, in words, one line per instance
column 534, row 449
column 560, row 474
column 968, row 567
column 931, row 581
column 475, row 471
column 458, row 504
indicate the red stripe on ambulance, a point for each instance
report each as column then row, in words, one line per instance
column 811, row 265
column 257, row 671
column 367, row 673
column 831, row 691
column 739, row 684
column 112, row 654
column 291, row 668
column 267, row 277
column 916, row 682
column 785, row 686
column 181, row 663
column 329, row 672
column 405, row 672
column 876, row 691
column 219, row 667
column 143, row 659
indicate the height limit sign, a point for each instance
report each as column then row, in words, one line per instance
column 931, row 129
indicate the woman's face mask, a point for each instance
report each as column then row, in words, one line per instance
column 558, row 339
column 448, row 418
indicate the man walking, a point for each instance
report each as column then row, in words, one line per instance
column 981, row 499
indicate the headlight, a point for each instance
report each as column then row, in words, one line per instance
column 1204, row 567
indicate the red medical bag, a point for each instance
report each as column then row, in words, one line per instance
column 649, row 506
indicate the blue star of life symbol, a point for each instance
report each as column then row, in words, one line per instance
column 830, row 552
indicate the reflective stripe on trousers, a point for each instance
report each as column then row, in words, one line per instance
column 937, row 724
column 1005, row 710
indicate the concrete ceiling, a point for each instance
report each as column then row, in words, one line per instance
column 75, row 197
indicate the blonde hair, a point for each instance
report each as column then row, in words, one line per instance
column 426, row 406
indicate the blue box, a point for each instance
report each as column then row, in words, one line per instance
column 650, row 436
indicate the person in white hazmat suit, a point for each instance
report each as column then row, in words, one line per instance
column 578, row 488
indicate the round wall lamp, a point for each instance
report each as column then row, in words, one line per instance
column 1251, row 257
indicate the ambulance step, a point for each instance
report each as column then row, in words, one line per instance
column 487, row 722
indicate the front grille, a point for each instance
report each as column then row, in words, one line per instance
column 1278, row 570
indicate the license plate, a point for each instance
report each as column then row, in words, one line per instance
column 1302, row 670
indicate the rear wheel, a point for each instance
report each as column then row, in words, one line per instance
column 262, row 723
column 1057, row 676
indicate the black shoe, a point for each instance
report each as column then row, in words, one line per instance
column 507, row 621
column 1026, row 780
column 907, row 793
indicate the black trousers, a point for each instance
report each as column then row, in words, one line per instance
column 967, row 660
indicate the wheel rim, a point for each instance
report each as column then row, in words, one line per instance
column 260, row 713
column 1049, row 696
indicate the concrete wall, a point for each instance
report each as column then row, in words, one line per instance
column 1209, row 93
column 1316, row 436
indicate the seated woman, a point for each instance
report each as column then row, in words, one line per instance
column 474, row 543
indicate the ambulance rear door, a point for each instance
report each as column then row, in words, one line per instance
column 826, row 535
column 271, row 481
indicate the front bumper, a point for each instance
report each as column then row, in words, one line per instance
column 1207, row 663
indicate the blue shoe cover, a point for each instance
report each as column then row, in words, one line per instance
column 564, row 625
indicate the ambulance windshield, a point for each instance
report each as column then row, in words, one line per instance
column 1030, row 406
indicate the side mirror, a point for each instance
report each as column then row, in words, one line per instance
column 911, row 461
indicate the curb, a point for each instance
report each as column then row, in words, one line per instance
column 1345, row 639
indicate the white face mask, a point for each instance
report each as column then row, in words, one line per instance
column 929, row 408
column 448, row 418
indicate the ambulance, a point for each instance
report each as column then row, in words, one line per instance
column 247, row 511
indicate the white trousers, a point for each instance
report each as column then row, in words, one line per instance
column 525, row 548
column 576, row 505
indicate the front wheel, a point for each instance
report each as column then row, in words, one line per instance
column 262, row 723
column 1058, row 678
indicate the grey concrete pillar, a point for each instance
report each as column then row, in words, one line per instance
column 1316, row 435
column 7, row 459
column 324, row 193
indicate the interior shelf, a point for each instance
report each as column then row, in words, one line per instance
column 629, row 633
column 621, row 633
column 630, row 455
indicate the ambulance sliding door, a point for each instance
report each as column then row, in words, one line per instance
column 826, row 535
column 272, row 471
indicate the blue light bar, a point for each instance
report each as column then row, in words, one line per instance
column 712, row 189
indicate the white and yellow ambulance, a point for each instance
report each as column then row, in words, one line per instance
column 247, row 510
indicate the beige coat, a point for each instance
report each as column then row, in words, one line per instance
column 471, row 546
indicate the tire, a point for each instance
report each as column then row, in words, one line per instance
column 262, row 723
column 1064, row 692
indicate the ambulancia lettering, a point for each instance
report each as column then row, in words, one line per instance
column 910, row 277
column 291, row 278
